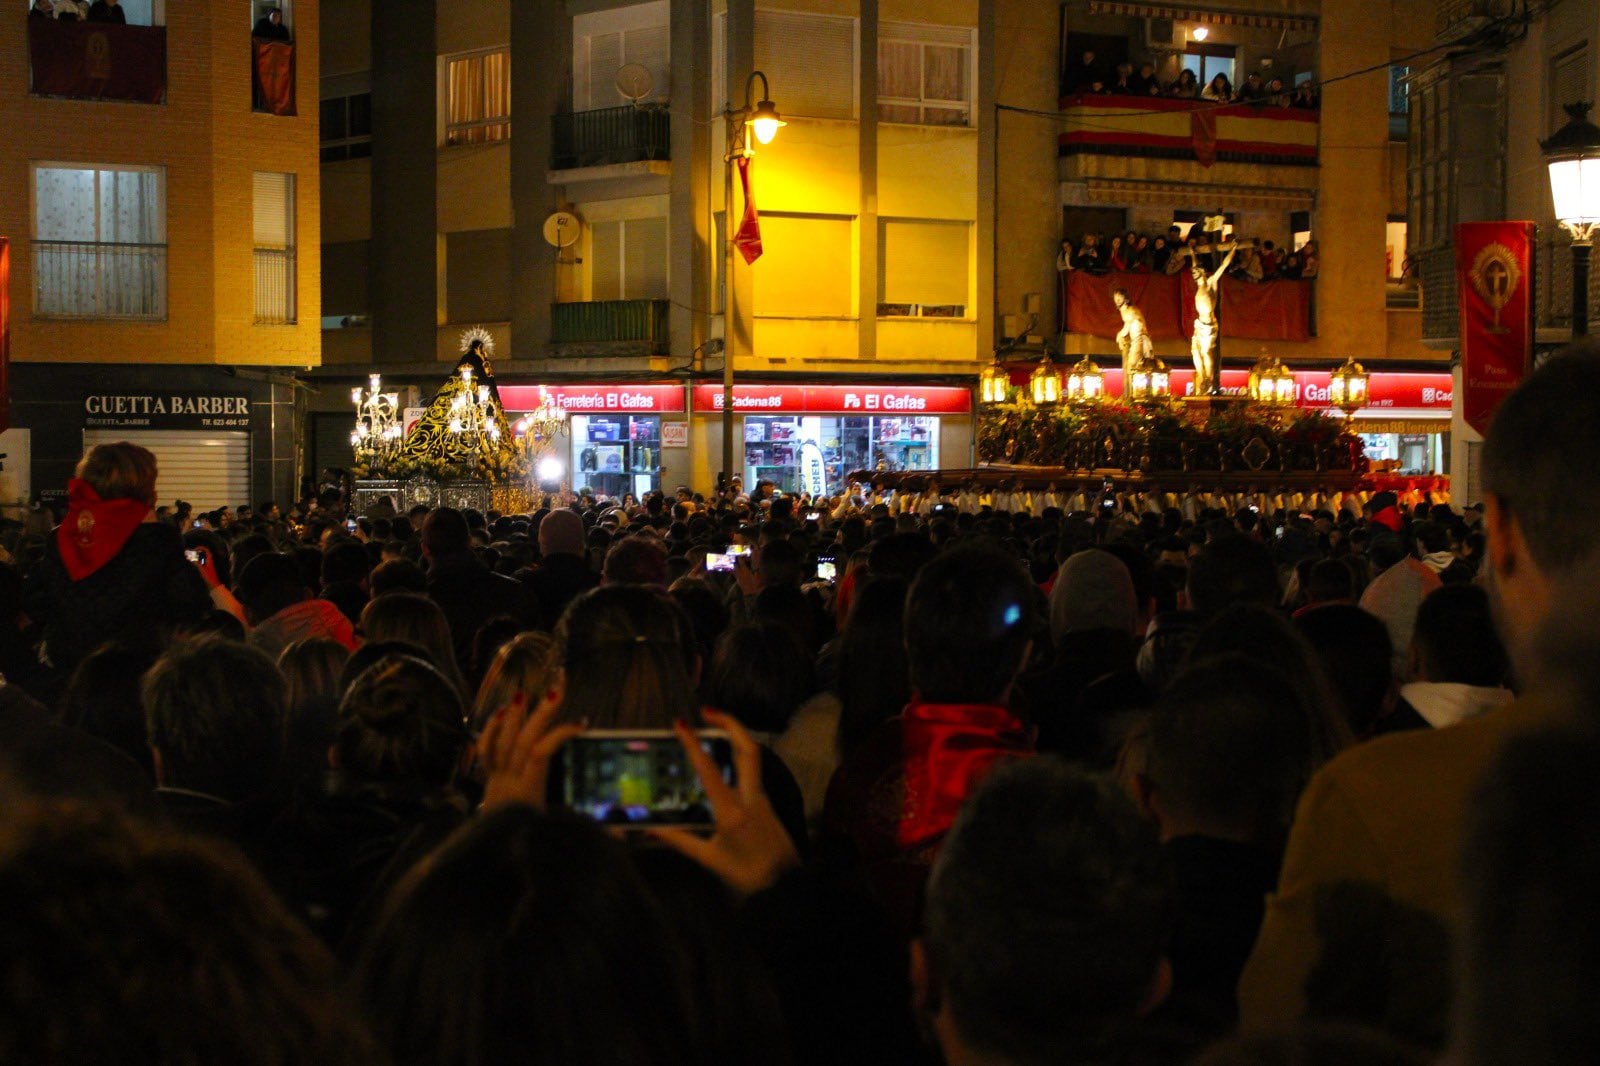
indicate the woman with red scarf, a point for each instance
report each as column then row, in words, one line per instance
column 111, row 571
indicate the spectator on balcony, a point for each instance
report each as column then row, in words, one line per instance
column 1269, row 260
column 1219, row 90
column 71, row 10
column 1123, row 83
column 1305, row 97
column 1089, row 255
column 1277, row 93
column 108, row 11
column 1145, row 83
column 1140, row 261
column 42, row 9
column 1065, row 259
column 1117, row 258
column 270, row 27
column 1160, row 255
column 1180, row 252
column 1247, row 264
column 1187, row 87
column 1308, row 260
column 1253, row 91
column 1290, row 268
column 1085, row 76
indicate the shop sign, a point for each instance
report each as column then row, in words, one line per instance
column 582, row 399
column 165, row 410
column 1386, row 390
column 837, row 399
column 674, row 434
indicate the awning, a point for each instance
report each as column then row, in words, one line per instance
column 1213, row 16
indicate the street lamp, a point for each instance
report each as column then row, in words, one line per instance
column 1347, row 388
column 762, row 119
column 1573, row 155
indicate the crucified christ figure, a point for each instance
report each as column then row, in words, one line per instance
column 1203, row 346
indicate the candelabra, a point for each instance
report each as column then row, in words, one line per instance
column 537, row 433
column 378, row 431
column 472, row 415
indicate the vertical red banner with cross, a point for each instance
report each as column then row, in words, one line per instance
column 5, row 333
column 1494, row 276
column 748, row 239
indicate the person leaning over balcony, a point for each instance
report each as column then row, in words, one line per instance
column 42, row 9
column 71, row 10
column 1187, row 87
column 270, row 26
column 107, row 11
column 1218, row 90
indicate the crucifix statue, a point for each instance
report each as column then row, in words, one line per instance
column 1203, row 346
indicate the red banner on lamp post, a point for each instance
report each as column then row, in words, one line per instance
column 5, row 333
column 1494, row 275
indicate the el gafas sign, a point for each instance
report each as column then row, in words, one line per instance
column 165, row 410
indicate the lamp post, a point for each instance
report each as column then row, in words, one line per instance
column 1573, row 155
column 762, row 120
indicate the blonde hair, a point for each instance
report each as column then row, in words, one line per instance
column 120, row 471
column 529, row 663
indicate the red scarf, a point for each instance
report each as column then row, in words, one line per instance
column 95, row 530
column 1389, row 518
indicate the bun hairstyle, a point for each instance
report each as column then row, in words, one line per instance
column 401, row 722
column 630, row 659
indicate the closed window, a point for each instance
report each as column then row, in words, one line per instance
column 479, row 89
column 274, row 249
column 1571, row 80
column 347, row 127
column 628, row 259
column 807, row 266
column 99, row 241
column 923, row 268
column 605, row 42
column 925, row 74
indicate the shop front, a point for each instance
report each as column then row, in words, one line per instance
column 218, row 438
column 806, row 438
column 622, row 439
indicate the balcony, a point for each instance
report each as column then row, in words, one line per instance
column 275, row 302
column 98, row 61
column 610, row 327
column 85, row 279
column 612, row 137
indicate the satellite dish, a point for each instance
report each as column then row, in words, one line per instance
column 634, row 81
column 561, row 229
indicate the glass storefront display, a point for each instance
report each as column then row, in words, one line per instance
column 613, row 455
column 813, row 454
column 1404, row 453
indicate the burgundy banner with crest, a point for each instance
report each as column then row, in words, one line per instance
column 5, row 333
column 1494, row 275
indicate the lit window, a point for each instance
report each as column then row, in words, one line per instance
column 99, row 241
column 479, row 97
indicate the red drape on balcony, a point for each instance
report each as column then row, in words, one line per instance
column 1264, row 311
column 274, row 76
column 98, row 60
column 5, row 334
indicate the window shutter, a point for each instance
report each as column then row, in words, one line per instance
column 1570, row 80
column 605, row 261
column 807, row 266
column 651, row 47
column 924, row 263
column 644, row 255
column 813, row 59
column 273, row 193
column 605, row 59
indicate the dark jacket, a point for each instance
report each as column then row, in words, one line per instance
column 148, row 588
column 470, row 594
column 44, row 758
column 556, row 582
column 100, row 11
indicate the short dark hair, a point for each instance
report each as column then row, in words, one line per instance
column 128, row 909
column 760, row 674
column 269, row 583
column 637, row 560
column 1456, row 639
column 214, row 710
column 1531, row 457
column 969, row 617
column 444, row 531
column 346, row 561
column 1232, row 744
column 1047, row 913
column 1232, row 569
column 397, row 575
column 1330, row 580
column 1357, row 656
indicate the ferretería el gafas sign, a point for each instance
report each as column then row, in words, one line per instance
column 165, row 410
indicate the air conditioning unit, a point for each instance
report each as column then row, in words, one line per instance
column 1158, row 33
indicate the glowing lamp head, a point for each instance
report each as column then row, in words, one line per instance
column 764, row 120
column 1200, row 33
column 550, row 469
column 355, row 395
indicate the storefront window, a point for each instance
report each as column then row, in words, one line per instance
column 613, row 455
column 1404, row 453
column 814, row 453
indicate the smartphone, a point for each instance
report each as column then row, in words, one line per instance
column 813, row 516
column 194, row 555
column 827, row 569
column 350, row 524
column 636, row 777
column 199, row 523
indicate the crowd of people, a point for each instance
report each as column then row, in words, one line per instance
column 79, row 11
column 1011, row 784
column 1253, row 259
column 1090, row 76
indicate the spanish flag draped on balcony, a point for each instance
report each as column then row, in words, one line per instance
column 274, row 76
column 748, row 239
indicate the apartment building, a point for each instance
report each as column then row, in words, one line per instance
column 159, row 186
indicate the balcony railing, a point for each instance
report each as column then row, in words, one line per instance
column 1195, row 130
column 609, row 136
column 98, row 60
column 275, row 303
column 85, row 279
column 611, row 321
